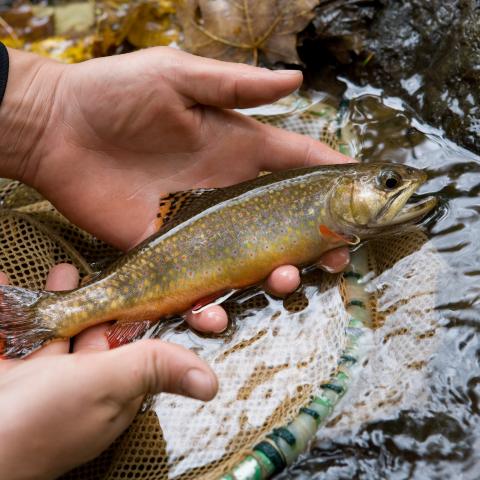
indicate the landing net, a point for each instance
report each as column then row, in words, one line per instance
column 340, row 351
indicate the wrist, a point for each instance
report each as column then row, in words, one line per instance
column 25, row 113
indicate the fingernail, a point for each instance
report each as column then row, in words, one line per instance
column 216, row 319
column 198, row 384
column 288, row 72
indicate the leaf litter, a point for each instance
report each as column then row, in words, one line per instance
column 245, row 31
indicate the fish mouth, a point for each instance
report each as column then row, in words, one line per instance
column 414, row 211
column 404, row 207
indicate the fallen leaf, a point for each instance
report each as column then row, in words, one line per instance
column 63, row 49
column 21, row 24
column 154, row 26
column 247, row 31
column 144, row 23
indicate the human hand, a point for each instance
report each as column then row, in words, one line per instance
column 108, row 137
column 60, row 410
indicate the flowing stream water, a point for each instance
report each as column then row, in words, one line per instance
column 441, row 437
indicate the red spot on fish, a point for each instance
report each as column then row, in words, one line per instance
column 326, row 232
column 336, row 237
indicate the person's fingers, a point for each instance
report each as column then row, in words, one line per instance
column 61, row 277
column 283, row 280
column 212, row 319
column 228, row 85
column 282, row 149
column 4, row 279
column 149, row 366
column 335, row 261
column 91, row 340
column 286, row 279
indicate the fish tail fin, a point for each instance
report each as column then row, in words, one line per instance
column 21, row 330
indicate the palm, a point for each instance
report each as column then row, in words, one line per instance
column 137, row 177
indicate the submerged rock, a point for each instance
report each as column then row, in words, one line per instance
column 425, row 51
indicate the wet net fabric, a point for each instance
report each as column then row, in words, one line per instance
column 275, row 354
column 273, row 363
column 406, row 332
column 35, row 237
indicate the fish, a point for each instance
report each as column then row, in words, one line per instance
column 212, row 241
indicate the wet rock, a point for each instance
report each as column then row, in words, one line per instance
column 425, row 51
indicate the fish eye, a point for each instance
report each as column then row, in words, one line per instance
column 389, row 180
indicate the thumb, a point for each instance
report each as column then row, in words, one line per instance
column 229, row 85
column 152, row 366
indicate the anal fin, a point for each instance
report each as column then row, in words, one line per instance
column 90, row 277
column 121, row 333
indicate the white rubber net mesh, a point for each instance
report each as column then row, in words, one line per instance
column 276, row 353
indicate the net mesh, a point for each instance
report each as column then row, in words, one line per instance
column 275, row 354
column 406, row 334
column 264, row 381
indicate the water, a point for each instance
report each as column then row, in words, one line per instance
column 439, row 438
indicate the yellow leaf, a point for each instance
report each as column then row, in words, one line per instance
column 64, row 49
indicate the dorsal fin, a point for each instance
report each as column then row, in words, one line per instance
column 177, row 206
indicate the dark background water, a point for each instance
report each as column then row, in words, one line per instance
column 424, row 51
column 440, row 438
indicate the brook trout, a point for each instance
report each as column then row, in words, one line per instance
column 215, row 240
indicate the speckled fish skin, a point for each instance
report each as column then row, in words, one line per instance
column 231, row 245
column 235, row 238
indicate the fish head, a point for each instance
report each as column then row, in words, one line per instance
column 377, row 198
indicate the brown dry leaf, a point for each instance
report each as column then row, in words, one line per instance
column 21, row 24
column 245, row 30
